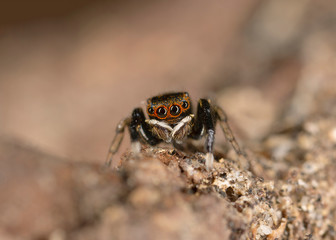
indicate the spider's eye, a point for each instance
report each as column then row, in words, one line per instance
column 150, row 110
column 175, row 110
column 185, row 104
column 161, row 112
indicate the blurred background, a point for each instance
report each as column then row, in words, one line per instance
column 70, row 70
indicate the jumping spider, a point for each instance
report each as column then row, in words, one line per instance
column 171, row 120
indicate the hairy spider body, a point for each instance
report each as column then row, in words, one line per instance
column 171, row 120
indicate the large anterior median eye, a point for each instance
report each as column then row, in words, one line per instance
column 175, row 110
column 161, row 112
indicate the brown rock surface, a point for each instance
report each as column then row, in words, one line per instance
column 168, row 194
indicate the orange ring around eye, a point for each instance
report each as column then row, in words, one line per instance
column 180, row 110
column 165, row 114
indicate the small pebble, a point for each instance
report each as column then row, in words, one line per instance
column 264, row 230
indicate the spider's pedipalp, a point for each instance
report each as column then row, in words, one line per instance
column 160, row 129
column 182, row 129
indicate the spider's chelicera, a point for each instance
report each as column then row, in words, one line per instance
column 171, row 120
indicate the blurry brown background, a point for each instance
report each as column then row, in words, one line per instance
column 69, row 71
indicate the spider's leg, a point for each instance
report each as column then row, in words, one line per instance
column 205, row 121
column 117, row 140
column 139, row 128
column 223, row 121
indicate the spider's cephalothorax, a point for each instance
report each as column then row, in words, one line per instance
column 170, row 108
column 171, row 120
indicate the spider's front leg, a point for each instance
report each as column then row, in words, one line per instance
column 138, row 128
column 205, row 121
